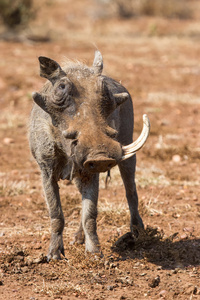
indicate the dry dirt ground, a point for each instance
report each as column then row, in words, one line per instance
column 158, row 61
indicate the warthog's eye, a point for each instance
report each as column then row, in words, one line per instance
column 62, row 96
column 111, row 132
column 61, row 90
column 62, row 86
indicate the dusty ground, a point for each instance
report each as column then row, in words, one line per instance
column 158, row 61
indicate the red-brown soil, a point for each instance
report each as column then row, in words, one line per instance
column 158, row 61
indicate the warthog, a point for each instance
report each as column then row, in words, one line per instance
column 81, row 125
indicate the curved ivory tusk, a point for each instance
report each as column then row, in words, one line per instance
column 131, row 149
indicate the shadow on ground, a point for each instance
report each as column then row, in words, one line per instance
column 165, row 252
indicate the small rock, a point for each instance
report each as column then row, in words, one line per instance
column 25, row 269
column 1, row 282
column 163, row 293
column 8, row 141
column 19, row 258
column 176, row 215
column 37, row 246
column 109, row 287
column 28, row 199
column 155, row 282
column 41, row 259
column 28, row 261
column 188, row 229
column 75, row 294
column 112, row 266
column 130, row 282
column 45, row 237
column 195, row 290
column 1, row 272
column 183, row 236
column 176, row 158
column 106, row 263
column 191, row 290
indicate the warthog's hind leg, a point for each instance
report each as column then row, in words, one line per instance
column 79, row 236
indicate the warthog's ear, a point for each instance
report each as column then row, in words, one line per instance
column 50, row 69
column 39, row 100
column 98, row 63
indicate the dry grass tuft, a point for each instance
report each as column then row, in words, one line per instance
column 13, row 188
column 50, row 289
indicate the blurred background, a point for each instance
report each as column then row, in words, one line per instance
column 153, row 48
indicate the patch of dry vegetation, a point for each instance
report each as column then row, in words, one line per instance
column 180, row 9
column 13, row 188
column 166, row 153
column 16, row 12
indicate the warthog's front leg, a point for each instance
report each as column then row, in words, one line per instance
column 127, row 170
column 51, row 190
column 89, row 191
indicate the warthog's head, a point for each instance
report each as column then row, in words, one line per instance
column 79, row 103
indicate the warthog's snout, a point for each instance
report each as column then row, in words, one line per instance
column 99, row 164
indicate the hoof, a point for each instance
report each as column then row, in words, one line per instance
column 55, row 254
column 79, row 238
